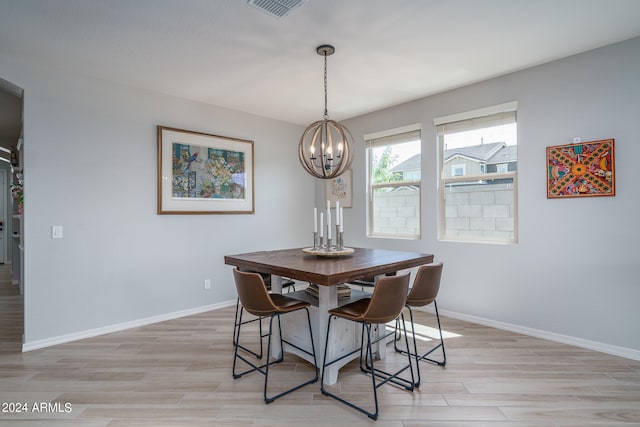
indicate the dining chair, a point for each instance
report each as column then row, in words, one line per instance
column 368, row 281
column 424, row 292
column 385, row 304
column 256, row 300
column 286, row 284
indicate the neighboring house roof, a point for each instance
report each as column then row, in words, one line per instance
column 507, row 155
column 412, row 163
column 495, row 152
column 481, row 152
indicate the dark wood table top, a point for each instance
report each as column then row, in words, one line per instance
column 328, row 271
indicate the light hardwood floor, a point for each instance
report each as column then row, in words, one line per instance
column 11, row 313
column 178, row 373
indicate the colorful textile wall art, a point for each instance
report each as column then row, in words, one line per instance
column 581, row 170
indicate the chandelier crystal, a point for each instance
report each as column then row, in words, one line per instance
column 325, row 148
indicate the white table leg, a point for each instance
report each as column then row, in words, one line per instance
column 328, row 299
column 380, row 349
column 344, row 337
column 276, row 349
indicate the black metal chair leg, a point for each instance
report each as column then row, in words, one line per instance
column 237, row 356
column 372, row 415
column 440, row 345
column 395, row 376
column 266, row 373
column 367, row 366
column 235, row 328
column 418, row 357
column 253, row 298
column 314, row 379
column 444, row 353
column 264, row 369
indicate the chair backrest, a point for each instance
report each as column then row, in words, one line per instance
column 372, row 280
column 388, row 299
column 253, row 293
column 425, row 285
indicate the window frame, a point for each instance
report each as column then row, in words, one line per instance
column 377, row 140
column 479, row 115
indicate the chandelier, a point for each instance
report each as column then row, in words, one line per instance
column 325, row 146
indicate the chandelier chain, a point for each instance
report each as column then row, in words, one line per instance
column 326, row 112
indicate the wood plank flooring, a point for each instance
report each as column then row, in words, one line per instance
column 178, row 373
column 11, row 312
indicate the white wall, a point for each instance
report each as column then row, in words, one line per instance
column 90, row 166
column 574, row 272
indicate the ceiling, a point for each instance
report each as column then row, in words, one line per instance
column 230, row 54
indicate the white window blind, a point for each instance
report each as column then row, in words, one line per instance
column 394, row 139
column 478, row 123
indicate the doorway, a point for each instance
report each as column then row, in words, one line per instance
column 4, row 197
column 11, row 236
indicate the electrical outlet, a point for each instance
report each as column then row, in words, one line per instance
column 207, row 283
column 56, row 232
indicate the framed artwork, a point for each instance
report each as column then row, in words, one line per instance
column 338, row 189
column 581, row 170
column 200, row 173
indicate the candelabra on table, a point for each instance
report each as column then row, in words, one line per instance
column 329, row 249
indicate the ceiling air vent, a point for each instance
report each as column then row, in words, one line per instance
column 278, row 8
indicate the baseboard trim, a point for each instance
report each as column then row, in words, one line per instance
column 627, row 353
column 90, row 333
column 551, row 336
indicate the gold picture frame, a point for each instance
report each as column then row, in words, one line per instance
column 200, row 173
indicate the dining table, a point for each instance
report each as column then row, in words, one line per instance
column 325, row 272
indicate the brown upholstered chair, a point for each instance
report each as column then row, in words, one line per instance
column 424, row 292
column 385, row 304
column 255, row 299
column 286, row 284
column 368, row 282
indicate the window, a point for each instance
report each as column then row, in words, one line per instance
column 479, row 204
column 457, row 170
column 393, row 183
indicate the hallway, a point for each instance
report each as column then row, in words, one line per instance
column 11, row 313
